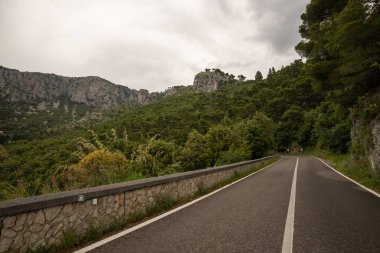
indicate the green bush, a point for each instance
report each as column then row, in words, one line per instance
column 153, row 157
column 233, row 155
column 102, row 167
column 194, row 154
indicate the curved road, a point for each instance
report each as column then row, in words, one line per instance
column 328, row 213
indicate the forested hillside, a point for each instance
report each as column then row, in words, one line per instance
column 329, row 100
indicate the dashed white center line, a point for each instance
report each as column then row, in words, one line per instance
column 287, row 243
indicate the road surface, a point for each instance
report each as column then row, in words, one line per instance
column 275, row 210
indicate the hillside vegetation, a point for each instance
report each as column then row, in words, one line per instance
column 315, row 104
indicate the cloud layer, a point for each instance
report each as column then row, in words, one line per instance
column 148, row 44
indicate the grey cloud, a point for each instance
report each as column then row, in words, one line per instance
column 236, row 64
column 278, row 21
column 148, row 44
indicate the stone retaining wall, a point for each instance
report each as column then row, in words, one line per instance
column 41, row 220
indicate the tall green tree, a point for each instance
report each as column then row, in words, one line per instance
column 341, row 44
column 258, row 76
column 194, row 154
column 218, row 140
column 259, row 133
column 287, row 130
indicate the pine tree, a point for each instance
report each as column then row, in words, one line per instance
column 258, row 76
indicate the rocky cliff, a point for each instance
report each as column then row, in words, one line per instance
column 209, row 81
column 16, row 86
column 374, row 152
column 366, row 142
column 365, row 132
column 92, row 91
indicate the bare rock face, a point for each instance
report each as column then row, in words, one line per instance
column 174, row 90
column 374, row 152
column 145, row 97
column 16, row 86
column 365, row 137
column 209, row 81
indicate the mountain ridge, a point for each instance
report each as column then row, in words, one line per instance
column 94, row 91
column 16, row 86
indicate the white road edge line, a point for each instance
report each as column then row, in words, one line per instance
column 130, row 230
column 350, row 179
column 287, row 243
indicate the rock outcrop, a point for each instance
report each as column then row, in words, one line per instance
column 365, row 135
column 16, row 86
column 209, row 81
column 174, row 90
column 374, row 151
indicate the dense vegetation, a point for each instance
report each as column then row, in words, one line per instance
column 29, row 120
column 309, row 104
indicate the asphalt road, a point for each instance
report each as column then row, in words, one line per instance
column 331, row 214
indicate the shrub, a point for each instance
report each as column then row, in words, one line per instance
column 233, row 155
column 102, row 166
column 153, row 157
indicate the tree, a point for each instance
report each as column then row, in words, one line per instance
column 218, row 71
column 218, row 139
column 287, row 130
column 258, row 76
column 258, row 134
column 340, row 42
column 316, row 22
column 339, row 137
column 194, row 155
column 241, row 78
column 271, row 74
column 305, row 132
column 276, row 107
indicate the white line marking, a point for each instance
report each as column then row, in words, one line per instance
column 287, row 243
column 130, row 230
column 350, row 179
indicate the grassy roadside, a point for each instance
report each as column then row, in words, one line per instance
column 359, row 171
column 72, row 240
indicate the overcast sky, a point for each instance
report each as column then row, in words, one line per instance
column 151, row 44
